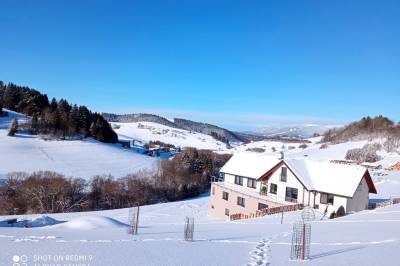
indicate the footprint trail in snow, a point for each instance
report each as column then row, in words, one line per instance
column 260, row 255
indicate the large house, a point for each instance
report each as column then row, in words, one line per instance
column 253, row 182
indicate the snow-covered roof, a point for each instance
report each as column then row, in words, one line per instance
column 249, row 164
column 327, row 177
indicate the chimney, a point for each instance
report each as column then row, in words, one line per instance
column 282, row 155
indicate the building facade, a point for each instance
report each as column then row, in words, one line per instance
column 256, row 182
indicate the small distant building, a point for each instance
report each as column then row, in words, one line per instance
column 254, row 182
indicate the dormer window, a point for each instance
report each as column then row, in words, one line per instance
column 283, row 174
column 239, row 180
column 251, row 183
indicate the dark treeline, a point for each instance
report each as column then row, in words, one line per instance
column 57, row 118
column 187, row 175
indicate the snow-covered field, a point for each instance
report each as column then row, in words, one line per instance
column 148, row 131
column 79, row 158
column 100, row 238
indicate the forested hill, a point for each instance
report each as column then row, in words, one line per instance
column 139, row 117
column 216, row 132
column 366, row 128
column 57, row 118
column 219, row 133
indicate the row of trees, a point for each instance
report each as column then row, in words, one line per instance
column 58, row 118
column 187, row 175
column 366, row 128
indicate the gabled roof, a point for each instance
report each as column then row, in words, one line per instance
column 322, row 176
column 329, row 177
column 249, row 164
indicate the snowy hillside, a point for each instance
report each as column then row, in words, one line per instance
column 79, row 158
column 5, row 121
column 100, row 238
column 149, row 131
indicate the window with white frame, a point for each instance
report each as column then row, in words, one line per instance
column 227, row 212
column 327, row 198
column 283, row 174
column 239, row 180
column 225, row 195
column 291, row 194
column 273, row 188
column 251, row 183
column 240, row 201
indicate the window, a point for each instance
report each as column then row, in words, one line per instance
column 291, row 194
column 225, row 195
column 240, row 201
column 251, row 182
column 326, row 198
column 273, row 188
column 213, row 190
column 227, row 212
column 262, row 206
column 283, row 174
column 239, row 180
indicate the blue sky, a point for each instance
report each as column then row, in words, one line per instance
column 239, row 64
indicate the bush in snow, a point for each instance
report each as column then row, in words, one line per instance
column 186, row 175
column 256, row 149
column 273, row 149
column 365, row 154
column 303, row 146
column 323, row 146
column 392, row 144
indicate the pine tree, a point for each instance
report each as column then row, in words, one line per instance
column 13, row 128
column 34, row 124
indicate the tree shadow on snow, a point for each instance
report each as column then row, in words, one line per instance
column 334, row 252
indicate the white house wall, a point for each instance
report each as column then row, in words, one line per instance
column 231, row 179
column 291, row 181
column 360, row 199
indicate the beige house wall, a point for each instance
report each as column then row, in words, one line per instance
column 218, row 204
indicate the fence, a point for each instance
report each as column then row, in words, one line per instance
column 189, row 228
column 301, row 238
column 133, row 219
column 267, row 211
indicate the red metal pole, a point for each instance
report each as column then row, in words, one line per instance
column 303, row 248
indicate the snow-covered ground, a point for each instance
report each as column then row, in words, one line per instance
column 76, row 158
column 148, row 131
column 100, row 238
column 79, row 158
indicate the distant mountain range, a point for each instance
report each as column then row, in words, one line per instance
column 269, row 132
column 298, row 131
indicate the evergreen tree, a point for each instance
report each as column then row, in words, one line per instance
column 34, row 124
column 13, row 128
